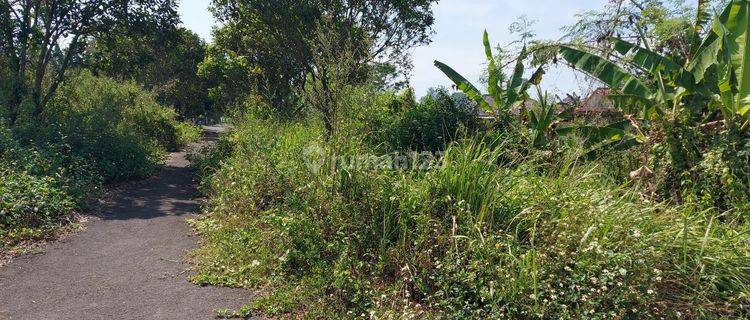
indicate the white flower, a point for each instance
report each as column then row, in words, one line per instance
column 623, row 272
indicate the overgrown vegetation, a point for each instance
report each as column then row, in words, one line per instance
column 473, row 238
column 529, row 211
column 66, row 129
column 95, row 131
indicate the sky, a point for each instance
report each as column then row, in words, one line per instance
column 457, row 41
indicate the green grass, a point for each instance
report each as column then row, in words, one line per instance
column 490, row 234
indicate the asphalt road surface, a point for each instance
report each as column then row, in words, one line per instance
column 128, row 263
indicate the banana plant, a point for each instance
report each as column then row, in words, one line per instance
column 542, row 117
column 663, row 86
column 506, row 94
column 723, row 55
column 714, row 76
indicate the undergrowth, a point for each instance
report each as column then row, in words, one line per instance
column 96, row 131
column 487, row 232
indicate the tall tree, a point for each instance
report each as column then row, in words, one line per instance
column 42, row 39
column 272, row 36
column 164, row 60
column 667, row 24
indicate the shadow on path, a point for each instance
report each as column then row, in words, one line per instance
column 127, row 264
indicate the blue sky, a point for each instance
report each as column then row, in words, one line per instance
column 458, row 36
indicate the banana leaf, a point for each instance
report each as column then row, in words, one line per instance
column 702, row 19
column 595, row 135
column 492, row 87
column 464, row 85
column 515, row 86
column 707, row 53
column 645, row 59
column 606, row 71
column 738, row 26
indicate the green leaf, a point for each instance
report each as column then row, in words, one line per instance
column 464, row 85
column 707, row 54
column 494, row 79
column 515, row 86
column 536, row 79
column 598, row 134
column 606, row 71
column 645, row 59
column 702, row 18
column 625, row 143
column 738, row 26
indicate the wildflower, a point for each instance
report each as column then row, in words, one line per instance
column 623, row 272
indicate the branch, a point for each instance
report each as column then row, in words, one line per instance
column 62, row 71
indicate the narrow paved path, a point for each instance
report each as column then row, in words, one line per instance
column 126, row 264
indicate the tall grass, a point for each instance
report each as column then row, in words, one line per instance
column 482, row 235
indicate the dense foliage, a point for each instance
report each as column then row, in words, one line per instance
column 529, row 237
column 95, row 131
column 162, row 59
column 265, row 47
column 41, row 40
column 533, row 212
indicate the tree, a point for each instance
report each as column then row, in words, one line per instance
column 667, row 24
column 271, row 37
column 42, row 39
column 164, row 60
column 334, row 61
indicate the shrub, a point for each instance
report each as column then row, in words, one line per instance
column 29, row 203
column 488, row 234
column 118, row 126
column 429, row 125
column 95, row 131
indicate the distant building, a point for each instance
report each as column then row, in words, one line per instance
column 597, row 103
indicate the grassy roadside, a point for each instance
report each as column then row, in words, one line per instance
column 532, row 235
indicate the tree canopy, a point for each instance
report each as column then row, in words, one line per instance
column 164, row 60
column 42, row 39
column 264, row 43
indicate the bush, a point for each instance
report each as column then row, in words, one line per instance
column 429, row 125
column 30, row 204
column 119, row 127
column 491, row 233
column 95, row 131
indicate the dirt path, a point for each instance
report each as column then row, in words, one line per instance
column 127, row 264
